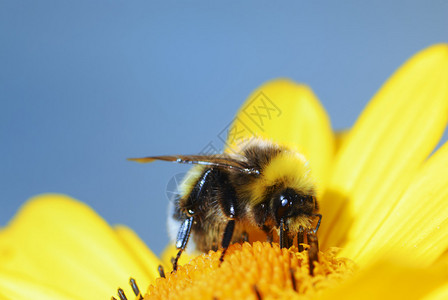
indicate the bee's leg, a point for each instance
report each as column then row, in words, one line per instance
column 229, row 209
column 244, row 237
column 270, row 237
column 227, row 238
column 285, row 236
column 182, row 239
column 188, row 209
column 282, row 234
column 313, row 251
column 300, row 238
column 269, row 234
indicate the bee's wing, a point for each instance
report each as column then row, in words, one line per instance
column 219, row 161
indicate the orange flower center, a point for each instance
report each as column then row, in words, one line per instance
column 252, row 272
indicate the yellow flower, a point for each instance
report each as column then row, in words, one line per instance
column 382, row 189
column 58, row 248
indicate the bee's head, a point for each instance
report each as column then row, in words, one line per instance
column 288, row 204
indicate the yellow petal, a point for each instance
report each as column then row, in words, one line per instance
column 393, row 136
column 62, row 243
column 418, row 224
column 390, row 280
column 287, row 113
column 440, row 293
column 146, row 258
column 10, row 257
column 16, row 287
column 340, row 138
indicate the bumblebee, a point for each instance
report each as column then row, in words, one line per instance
column 262, row 186
column 261, row 183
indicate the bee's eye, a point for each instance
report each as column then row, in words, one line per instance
column 284, row 203
column 289, row 203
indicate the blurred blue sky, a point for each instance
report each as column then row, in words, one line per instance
column 86, row 84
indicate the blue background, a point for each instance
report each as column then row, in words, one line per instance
column 86, row 84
